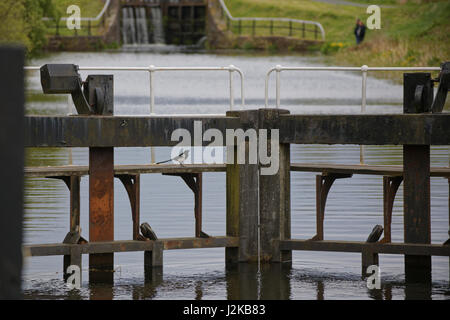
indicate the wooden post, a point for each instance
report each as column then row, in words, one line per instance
column 416, row 194
column 153, row 262
column 74, row 187
column 242, row 198
column 275, row 194
column 11, row 170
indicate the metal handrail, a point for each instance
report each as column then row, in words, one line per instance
column 363, row 69
column 152, row 69
column 97, row 18
column 315, row 23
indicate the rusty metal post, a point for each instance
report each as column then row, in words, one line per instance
column 11, row 170
column 99, row 91
column 101, row 211
column 416, row 192
column 275, row 193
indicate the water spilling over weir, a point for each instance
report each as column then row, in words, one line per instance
column 163, row 22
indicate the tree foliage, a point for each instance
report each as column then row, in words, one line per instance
column 21, row 23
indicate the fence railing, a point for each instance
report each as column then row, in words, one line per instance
column 88, row 23
column 363, row 69
column 153, row 69
column 271, row 26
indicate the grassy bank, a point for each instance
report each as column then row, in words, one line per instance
column 88, row 9
column 411, row 34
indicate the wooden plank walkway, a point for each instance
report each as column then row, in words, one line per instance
column 59, row 171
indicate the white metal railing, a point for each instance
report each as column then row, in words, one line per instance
column 152, row 69
column 230, row 17
column 97, row 18
column 363, row 69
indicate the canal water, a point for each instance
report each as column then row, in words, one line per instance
column 354, row 205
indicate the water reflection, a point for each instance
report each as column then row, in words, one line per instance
column 244, row 282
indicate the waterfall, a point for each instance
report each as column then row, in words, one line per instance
column 141, row 25
column 135, row 28
column 157, row 22
column 128, row 27
column 132, row 32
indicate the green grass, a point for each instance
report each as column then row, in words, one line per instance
column 411, row 34
column 88, row 8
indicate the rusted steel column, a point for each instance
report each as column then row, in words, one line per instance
column 242, row 197
column 101, row 211
column 368, row 258
column 11, row 170
column 274, row 191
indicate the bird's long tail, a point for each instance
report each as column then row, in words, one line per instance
column 164, row 161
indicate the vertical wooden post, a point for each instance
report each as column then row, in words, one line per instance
column 242, row 198
column 11, row 170
column 416, row 194
column 74, row 187
column 417, row 225
column 198, row 205
column 275, row 194
column 153, row 262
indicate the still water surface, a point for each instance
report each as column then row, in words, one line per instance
column 354, row 205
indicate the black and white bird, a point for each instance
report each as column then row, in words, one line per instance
column 180, row 158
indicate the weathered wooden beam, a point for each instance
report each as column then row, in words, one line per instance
column 359, row 246
column 116, row 131
column 386, row 129
column 119, row 131
column 56, row 249
column 325, row 168
column 60, row 171
column 11, row 170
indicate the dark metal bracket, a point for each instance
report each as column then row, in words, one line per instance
column 323, row 186
column 132, row 186
column 95, row 96
column 390, row 188
column 194, row 182
column 418, row 91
